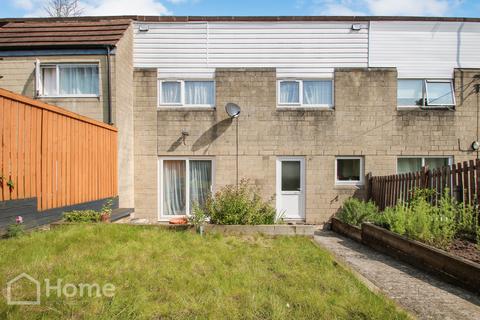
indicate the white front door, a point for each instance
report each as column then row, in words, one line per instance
column 291, row 188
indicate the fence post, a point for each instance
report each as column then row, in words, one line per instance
column 425, row 178
column 369, row 186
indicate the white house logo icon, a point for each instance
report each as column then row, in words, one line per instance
column 23, row 277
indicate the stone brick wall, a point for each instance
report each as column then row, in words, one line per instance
column 18, row 75
column 122, row 109
column 365, row 122
column 145, row 142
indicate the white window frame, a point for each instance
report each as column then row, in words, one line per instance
column 425, row 104
column 450, row 159
column 452, row 89
column 39, row 79
column 160, row 215
column 300, row 104
column 360, row 182
column 182, row 103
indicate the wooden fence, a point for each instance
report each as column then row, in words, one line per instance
column 461, row 179
column 58, row 156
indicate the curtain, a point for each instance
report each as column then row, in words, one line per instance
column 317, row 92
column 199, row 92
column 409, row 92
column 436, row 163
column 171, row 92
column 174, row 187
column 439, row 93
column 289, row 92
column 406, row 165
column 49, row 78
column 200, row 181
column 78, row 80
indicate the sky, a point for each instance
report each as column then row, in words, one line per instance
column 456, row 8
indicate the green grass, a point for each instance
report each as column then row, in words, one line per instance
column 179, row 275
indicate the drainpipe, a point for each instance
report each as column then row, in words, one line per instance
column 109, row 87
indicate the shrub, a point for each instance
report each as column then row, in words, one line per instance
column 82, row 216
column 420, row 220
column 15, row 230
column 198, row 216
column 239, row 205
column 355, row 211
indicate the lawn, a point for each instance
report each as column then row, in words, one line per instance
column 163, row 274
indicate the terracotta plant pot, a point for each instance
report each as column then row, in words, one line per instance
column 182, row 220
column 105, row 217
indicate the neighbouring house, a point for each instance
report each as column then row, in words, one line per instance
column 324, row 101
column 81, row 64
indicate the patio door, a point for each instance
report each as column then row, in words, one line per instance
column 183, row 182
column 291, row 188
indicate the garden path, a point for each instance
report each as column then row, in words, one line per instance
column 421, row 294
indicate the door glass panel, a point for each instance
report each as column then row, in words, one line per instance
column 291, row 176
column 200, row 181
column 174, row 187
column 406, row 165
column 436, row 163
column 348, row 169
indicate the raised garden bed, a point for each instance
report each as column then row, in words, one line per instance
column 449, row 267
column 348, row 230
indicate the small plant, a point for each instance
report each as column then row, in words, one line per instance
column 355, row 211
column 198, row 218
column 239, row 205
column 16, row 229
column 106, row 210
column 10, row 185
column 82, row 216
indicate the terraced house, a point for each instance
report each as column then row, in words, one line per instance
column 315, row 103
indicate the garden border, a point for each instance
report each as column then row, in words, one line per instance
column 450, row 268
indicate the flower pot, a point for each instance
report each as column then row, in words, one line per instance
column 105, row 217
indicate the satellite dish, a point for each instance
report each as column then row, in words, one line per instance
column 232, row 110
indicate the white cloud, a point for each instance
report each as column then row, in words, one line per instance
column 35, row 8
column 122, row 7
column 409, row 7
column 24, row 4
column 384, row 7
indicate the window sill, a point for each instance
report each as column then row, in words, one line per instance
column 68, row 97
column 185, row 108
column 349, row 186
column 303, row 108
column 417, row 108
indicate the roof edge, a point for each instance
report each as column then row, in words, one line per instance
column 241, row 18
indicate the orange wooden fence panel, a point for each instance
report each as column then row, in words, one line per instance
column 58, row 156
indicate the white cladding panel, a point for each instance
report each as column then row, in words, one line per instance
column 296, row 49
column 424, row 49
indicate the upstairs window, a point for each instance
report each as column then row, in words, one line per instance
column 67, row 80
column 196, row 93
column 425, row 93
column 305, row 93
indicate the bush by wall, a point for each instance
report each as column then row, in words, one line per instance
column 238, row 205
column 418, row 219
column 82, row 216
